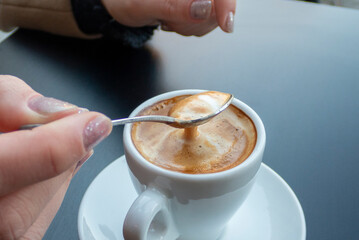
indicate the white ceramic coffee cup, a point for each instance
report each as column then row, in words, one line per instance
column 174, row 205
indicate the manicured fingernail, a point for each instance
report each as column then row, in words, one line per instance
column 230, row 22
column 201, row 9
column 45, row 105
column 95, row 131
column 82, row 110
column 81, row 162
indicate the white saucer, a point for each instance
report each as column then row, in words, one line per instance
column 271, row 211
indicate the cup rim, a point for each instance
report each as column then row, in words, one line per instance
column 242, row 167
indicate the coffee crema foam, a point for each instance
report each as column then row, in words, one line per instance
column 220, row 144
column 198, row 105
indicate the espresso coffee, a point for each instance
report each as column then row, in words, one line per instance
column 220, row 144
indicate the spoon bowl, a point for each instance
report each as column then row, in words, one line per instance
column 174, row 122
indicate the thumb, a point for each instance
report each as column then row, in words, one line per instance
column 31, row 156
column 20, row 105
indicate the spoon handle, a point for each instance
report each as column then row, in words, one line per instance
column 149, row 118
column 122, row 121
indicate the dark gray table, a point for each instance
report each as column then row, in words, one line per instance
column 296, row 64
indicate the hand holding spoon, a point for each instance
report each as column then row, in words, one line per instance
column 189, row 112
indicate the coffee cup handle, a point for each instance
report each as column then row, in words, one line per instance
column 149, row 218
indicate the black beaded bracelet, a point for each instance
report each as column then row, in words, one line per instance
column 92, row 18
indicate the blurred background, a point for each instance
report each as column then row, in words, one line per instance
column 340, row 3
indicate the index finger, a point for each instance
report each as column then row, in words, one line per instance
column 225, row 10
column 20, row 105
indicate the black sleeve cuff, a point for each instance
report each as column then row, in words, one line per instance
column 92, row 18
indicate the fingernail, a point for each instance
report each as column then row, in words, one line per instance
column 45, row 105
column 230, row 22
column 82, row 110
column 201, row 9
column 95, row 131
column 82, row 161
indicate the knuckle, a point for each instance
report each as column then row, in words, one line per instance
column 5, row 79
column 11, row 85
column 168, row 8
column 134, row 4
